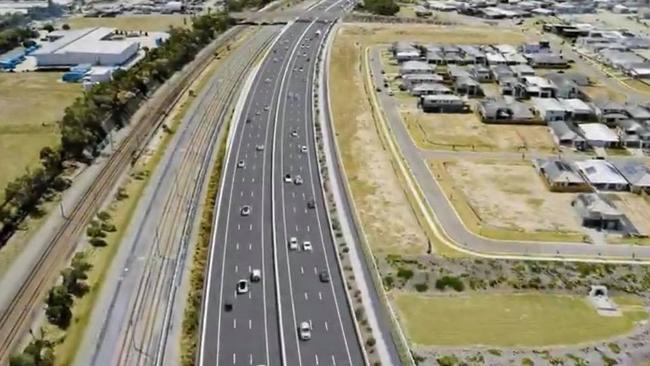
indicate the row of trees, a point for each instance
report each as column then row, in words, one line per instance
column 380, row 7
column 11, row 38
column 87, row 122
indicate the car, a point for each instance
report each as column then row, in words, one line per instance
column 267, row 80
column 246, row 210
column 324, row 276
column 248, row 120
column 294, row 133
column 306, row 246
column 259, row 147
column 287, row 178
column 266, row 107
column 256, row 275
column 304, row 331
column 298, row 180
column 227, row 305
column 242, row 287
column 241, row 164
column 311, row 203
column 390, row 93
column 303, row 149
column 378, row 89
column 293, row 243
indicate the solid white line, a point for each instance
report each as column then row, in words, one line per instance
column 234, row 323
column 327, row 328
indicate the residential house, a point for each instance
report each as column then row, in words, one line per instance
column 598, row 213
column 539, row 47
column 443, row 104
column 566, row 88
column 515, row 59
column 549, row 109
column 501, row 71
column 416, row 67
column 609, row 112
column 473, row 55
column 631, row 133
column 564, row 135
column 435, row 57
column 454, row 72
column 547, row 61
column 602, row 175
column 599, row 135
column 560, row 176
column 505, row 111
column 480, row 73
column 494, row 58
column 410, row 80
column 578, row 110
column 467, row 86
column 429, row 89
column 537, row 87
column 521, row 71
column 638, row 113
column 405, row 51
column 636, row 173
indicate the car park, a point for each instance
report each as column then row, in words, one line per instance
column 324, row 276
column 246, row 210
column 241, row 164
column 304, row 331
column 256, row 275
column 306, row 246
column 298, row 180
column 242, row 287
column 293, row 243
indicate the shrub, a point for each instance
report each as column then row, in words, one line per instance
column 404, row 273
column 98, row 242
column 104, row 216
column 450, row 281
column 421, row 287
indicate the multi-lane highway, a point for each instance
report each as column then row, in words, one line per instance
column 270, row 195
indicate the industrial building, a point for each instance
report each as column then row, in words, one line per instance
column 96, row 46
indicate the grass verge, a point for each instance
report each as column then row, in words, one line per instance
column 506, row 320
column 149, row 23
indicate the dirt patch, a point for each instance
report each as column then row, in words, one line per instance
column 386, row 215
column 603, row 93
column 467, row 132
column 511, row 196
column 635, row 207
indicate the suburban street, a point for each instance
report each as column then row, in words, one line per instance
column 271, row 194
column 452, row 224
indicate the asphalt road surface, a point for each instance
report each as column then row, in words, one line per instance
column 275, row 137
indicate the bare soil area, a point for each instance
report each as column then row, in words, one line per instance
column 511, row 196
column 635, row 207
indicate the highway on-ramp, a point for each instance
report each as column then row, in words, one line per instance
column 260, row 209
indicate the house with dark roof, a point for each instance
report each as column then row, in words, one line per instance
column 560, row 175
column 637, row 113
column 598, row 213
column 565, row 87
column 443, row 103
column 547, row 61
column 505, row 111
column 564, row 135
column 636, row 173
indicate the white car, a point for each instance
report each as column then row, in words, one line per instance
column 246, row 210
column 287, row 178
column 293, row 243
column 294, row 133
column 241, row 164
column 256, row 275
column 303, row 149
column 266, row 107
column 298, row 180
column 304, row 331
column 306, row 246
column 242, row 287
column 259, row 147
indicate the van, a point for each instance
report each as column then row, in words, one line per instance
column 256, row 275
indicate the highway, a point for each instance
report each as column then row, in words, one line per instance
column 274, row 136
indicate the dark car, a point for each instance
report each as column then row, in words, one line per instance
column 227, row 305
column 324, row 276
column 311, row 204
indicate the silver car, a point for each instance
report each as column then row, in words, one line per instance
column 304, row 331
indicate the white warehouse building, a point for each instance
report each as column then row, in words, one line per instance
column 94, row 46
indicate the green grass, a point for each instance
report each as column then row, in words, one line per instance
column 30, row 105
column 149, row 23
column 505, row 320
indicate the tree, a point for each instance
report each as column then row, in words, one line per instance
column 48, row 27
column 22, row 359
column 381, row 7
column 59, row 315
column 59, row 296
column 65, row 26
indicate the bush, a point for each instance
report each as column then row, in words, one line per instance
column 421, row 287
column 448, row 360
column 104, row 216
column 388, row 282
column 381, row 7
column 450, row 281
column 98, row 242
column 95, row 232
column 404, row 273
column 108, row 227
column 371, row 342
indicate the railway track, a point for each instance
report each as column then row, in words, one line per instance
column 16, row 318
column 146, row 333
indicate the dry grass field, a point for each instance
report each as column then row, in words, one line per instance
column 149, row 23
column 635, row 207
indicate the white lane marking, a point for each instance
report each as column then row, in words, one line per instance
column 315, row 270
column 250, row 227
column 243, row 179
column 320, row 296
column 253, row 180
column 249, row 269
column 237, row 246
column 252, row 193
column 238, row 227
column 333, row 361
column 236, row 268
column 308, row 228
column 250, row 246
column 250, row 358
column 316, row 357
column 234, row 324
column 297, row 228
column 294, row 209
column 302, row 270
column 306, row 296
column 234, row 358
column 293, row 194
column 250, row 324
column 303, row 195
column 250, row 295
column 327, row 328
column 241, row 194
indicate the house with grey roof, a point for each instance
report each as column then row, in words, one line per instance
column 547, row 61
column 416, row 67
column 465, row 85
column 636, row 173
column 454, row 72
column 522, row 70
column 405, row 51
column 480, row 73
column 565, row 135
column 578, row 78
column 429, row 89
column 638, row 113
column 599, row 135
column 505, row 111
column 560, row 175
column 501, row 71
column 443, row 103
column 565, row 87
column 411, row 80
column 599, row 213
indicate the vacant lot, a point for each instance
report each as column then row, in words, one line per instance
column 466, row 132
column 30, row 105
column 525, row 319
column 635, row 207
column 148, row 23
column 507, row 200
column 385, row 212
column 598, row 93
